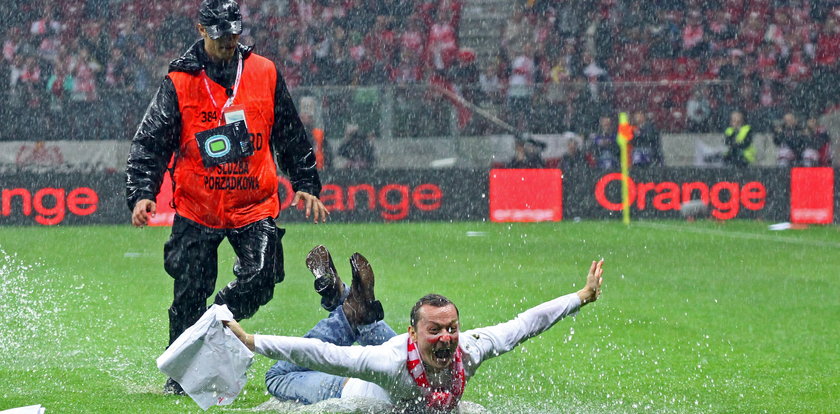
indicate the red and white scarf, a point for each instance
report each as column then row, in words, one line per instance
column 437, row 399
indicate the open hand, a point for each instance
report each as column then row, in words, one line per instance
column 592, row 290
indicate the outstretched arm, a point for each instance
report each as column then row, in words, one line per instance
column 493, row 341
column 369, row 363
column 240, row 333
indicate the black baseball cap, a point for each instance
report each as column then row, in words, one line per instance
column 220, row 17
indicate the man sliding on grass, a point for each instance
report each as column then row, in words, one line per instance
column 425, row 369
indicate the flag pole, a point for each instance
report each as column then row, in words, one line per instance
column 625, row 134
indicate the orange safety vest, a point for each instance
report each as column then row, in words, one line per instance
column 238, row 193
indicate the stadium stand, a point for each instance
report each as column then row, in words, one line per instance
column 85, row 69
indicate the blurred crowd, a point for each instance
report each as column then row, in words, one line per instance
column 689, row 63
column 76, row 48
column 558, row 65
column 69, row 55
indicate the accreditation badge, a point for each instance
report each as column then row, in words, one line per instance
column 234, row 113
column 223, row 144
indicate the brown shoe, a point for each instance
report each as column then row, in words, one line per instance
column 327, row 283
column 361, row 306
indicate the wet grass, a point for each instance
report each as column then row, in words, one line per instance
column 702, row 317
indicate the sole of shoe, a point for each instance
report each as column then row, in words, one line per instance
column 327, row 283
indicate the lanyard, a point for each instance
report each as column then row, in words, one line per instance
column 235, row 89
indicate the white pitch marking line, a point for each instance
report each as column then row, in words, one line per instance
column 739, row 235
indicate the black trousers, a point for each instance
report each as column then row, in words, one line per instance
column 191, row 258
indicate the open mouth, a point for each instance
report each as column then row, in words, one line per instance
column 443, row 354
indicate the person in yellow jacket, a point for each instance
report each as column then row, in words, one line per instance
column 739, row 138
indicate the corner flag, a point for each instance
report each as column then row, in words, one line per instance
column 625, row 134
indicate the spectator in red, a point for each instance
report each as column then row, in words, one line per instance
column 84, row 95
column 442, row 42
column 333, row 10
column 520, row 89
column 11, row 44
column 359, row 55
column 828, row 42
column 381, row 44
column 777, row 30
column 304, row 11
column 49, row 47
column 747, row 97
column 412, row 39
column 752, row 33
column 46, row 22
column 27, row 75
column 817, row 145
column 798, row 66
column 543, row 31
column 290, row 65
column 722, row 32
column 736, row 8
column 694, row 35
column 767, row 62
column 453, row 8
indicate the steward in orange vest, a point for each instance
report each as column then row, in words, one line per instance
column 224, row 117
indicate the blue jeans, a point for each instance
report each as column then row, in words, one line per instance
column 288, row 381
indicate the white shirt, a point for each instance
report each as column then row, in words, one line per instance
column 385, row 365
column 522, row 76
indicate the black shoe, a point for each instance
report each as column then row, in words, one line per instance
column 361, row 306
column 173, row 388
column 327, row 283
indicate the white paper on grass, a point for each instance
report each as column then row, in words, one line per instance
column 208, row 360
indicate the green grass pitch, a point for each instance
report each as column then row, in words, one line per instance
column 695, row 317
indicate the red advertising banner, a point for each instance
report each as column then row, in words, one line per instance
column 374, row 196
column 165, row 214
column 526, row 195
column 812, row 195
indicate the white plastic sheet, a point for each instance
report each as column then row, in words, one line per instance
column 208, row 360
column 32, row 409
